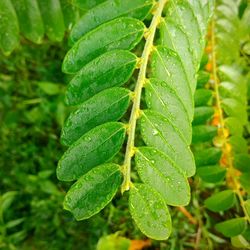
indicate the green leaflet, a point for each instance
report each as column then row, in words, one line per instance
column 113, row 242
column 203, row 78
column 221, row 201
column 163, row 99
column 202, row 97
column 157, row 131
column 211, row 174
column 184, row 16
column 242, row 162
column 244, row 181
column 239, row 144
column 234, row 108
column 9, row 30
column 53, row 19
column 93, row 191
column 233, row 227
column 93, row 148
column 247, row 203
column 121, row 33
column 149, row 211
column 203, row 133
column 107, row 11
column 207, row 157
column 202, row 115
column 70, row 13
column 30, row 19
column 109, row 105
column 232, row 90
column 158, row 171
column 239, row 242
column 174, row 38
column 234, row 126
column 111, row 69
column 167, row 66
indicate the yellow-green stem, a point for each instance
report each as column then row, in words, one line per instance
column 222, row 125
column 137, row 94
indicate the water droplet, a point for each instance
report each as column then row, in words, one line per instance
column 155, row 132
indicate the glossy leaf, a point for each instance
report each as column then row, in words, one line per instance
column 163, row 99
column 157, row 131
column 93, row 191
column 109, row 105
column 9, row 28
column 53, row 19
column 167, row 66
column 149, row 211
column 30, row 19
column 108, row 11
column 174, row 38
column 111, row 69
column 121, row 33
column 231, row 228
column 184, row 16
column 93, row 148
column 221, row 201
column 158, row 171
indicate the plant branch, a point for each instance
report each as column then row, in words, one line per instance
column 135, row 113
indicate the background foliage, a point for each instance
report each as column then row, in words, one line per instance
column 32, row 112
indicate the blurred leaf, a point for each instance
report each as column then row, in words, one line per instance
column 233, row 227
column 221, row 201
column 50, row 88
column 113, row 242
